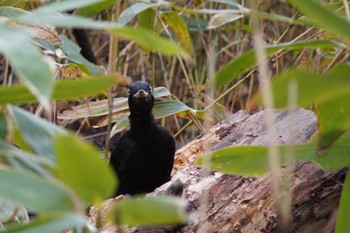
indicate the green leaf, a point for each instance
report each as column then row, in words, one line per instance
column 219, row 20
column 94, row 9
column 343, row 223
column 178, row 25
column 253, row 160
column 37, row 132
column 73, row 54
column 146, row 19
column 50, row 223
column 72, row 89
column 3, row 126
column 21, row 52
column 63, row 20
column 247, row 60
column 245, row 161
column 148, row 40
column 337, row 156
column 33, row 192
column 167, row 108
column 330, row 94
column 250, row 160
column 66, row 5
column 228, row 2
column 22, row 160
column 129, row 13
column 150, row 211
column 10, row 2
column 79, row 167
column 11, row 11
column 312, row 87
column 63, row 90
column 324, row 18
column 334, row 119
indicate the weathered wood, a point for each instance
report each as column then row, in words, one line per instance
column 227, row 203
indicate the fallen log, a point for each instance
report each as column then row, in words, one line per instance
column 228, row 203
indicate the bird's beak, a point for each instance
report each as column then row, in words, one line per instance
column 141, row 94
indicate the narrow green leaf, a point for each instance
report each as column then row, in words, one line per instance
column 11, row 11
column 22, row 160
column 63, row 90
column 168, row 108
column 73, row 54
column 343, row 223
column 337, row 156
column 228, row 2
column 10, row 2
column 33, row 192
column 311, row 87
column 334, row 119
column 253, row 160
column 247, row 60
column 16, row 45
column 324, row 18
column 79, row 167
column 146, row 19
column 66, row 5
column 220, row 20
column 178, row 25
column 329, row 92
column 95, row 8
column 50, row 223
column 148, row 40
column 37, row 132
column 150, row 211
column 3, row 126
column 250, row 160
column 245, row 161
column 63, row 20
column 129, row 13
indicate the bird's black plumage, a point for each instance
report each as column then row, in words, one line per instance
column 144, row 156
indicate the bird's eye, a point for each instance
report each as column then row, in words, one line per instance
column 129, row 92
column 150, row 89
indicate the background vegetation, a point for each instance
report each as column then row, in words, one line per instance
column 203, row 53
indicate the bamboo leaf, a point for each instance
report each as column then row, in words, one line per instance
column 37, row 132
column 95, row 8
column 17, row 47
column 34, row 192
column 73, row 54
column 136, row 211
column 178, row 25
column 149, row 41
column 50, row 223
column 343, row 224
column 324, row 18
column 237, row 67
column 63, row 90
column 79, row 167
column 131, row 12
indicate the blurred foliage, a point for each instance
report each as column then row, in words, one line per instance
column 202, row 54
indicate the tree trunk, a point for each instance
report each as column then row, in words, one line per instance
column 228, row 203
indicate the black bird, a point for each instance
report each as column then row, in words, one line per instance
column 144, row 156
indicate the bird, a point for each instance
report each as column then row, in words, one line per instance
column 144, row 156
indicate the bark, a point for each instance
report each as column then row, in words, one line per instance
column 228, row 203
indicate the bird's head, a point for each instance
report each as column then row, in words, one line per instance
column 140, row 98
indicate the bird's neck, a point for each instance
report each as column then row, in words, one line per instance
column 141, row 121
